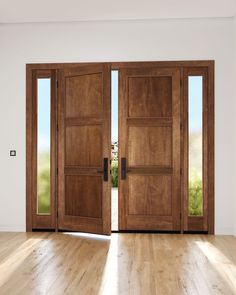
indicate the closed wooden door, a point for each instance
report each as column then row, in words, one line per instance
column 149, row 149
column 84, row 149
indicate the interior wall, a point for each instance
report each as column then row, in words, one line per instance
column 112, row 41
column 234, row 62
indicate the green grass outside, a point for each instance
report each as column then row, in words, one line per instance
column 44, row 183
column 114, row 173
column 195, row 205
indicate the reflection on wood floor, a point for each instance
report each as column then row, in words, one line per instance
column 57, row 263
column 114, row 213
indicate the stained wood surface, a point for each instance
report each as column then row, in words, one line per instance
column 42, row 70
column 206, row 221
column 154, row 97
column 149, row 138
column 119, row 65
column 137, row 264
column 83, row 146
column 84, row 141
column 150, row 146
column 33, row 219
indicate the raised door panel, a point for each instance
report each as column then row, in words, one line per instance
column 83, row 195
column 149, row 146
column 84, row 96
column 86, row 139
column 149, row 97
column 150, row 195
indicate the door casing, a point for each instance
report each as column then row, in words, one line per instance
column 34, row 221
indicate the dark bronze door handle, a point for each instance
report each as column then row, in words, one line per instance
column 123, row 168
column 105, row 169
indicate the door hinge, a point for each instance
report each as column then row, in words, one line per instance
column 181, row 126
column 181, row 171
column 57, row 84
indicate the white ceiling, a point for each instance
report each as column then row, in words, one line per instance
column 20, row 11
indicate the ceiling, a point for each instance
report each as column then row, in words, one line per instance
column 21, row 11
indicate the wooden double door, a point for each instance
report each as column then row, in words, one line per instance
column 149, row 149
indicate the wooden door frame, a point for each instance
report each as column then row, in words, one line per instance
column 34, row 220
column 203, row 223
column 209, row 65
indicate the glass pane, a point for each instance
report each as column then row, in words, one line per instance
column 114, row 148
column 43, row 168
column 195, row 95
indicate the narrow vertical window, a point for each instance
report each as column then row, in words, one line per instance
column 195, row 111
column 114, row 149
column 43, row 145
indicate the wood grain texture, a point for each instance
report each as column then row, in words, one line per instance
column 84, row 141
column 206, row 222
column 149, row 146
column 56, row 263
column 149, row 137
column 83, row 146
column 34, row 220
column 87, row 100
column 127, row 64
column 29, row 136
column 149, row 195
column 84, row 195
column 211, row 148
column 154, row 97
column 44, row 70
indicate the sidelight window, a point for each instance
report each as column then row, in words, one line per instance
column 43, row 145
column 195, row 145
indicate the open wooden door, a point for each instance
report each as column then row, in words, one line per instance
column 84, row 149
column 149, row 149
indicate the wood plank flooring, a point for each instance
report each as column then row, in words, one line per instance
column 146, row 264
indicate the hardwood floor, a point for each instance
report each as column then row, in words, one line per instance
column 57, row 263
column 114, row 209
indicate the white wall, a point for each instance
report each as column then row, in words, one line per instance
column 235, row 113
column 112, row 41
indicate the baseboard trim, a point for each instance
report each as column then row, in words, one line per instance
column 225, row 231
column 12, row 228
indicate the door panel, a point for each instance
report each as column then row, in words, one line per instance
column 149, row 145
column 84, row 143
column 82, row 198
column 149, row 195
column 149, row 139
column 89, row 101
column 154, row 96
column 84, row 137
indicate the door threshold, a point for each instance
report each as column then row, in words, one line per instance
column 146, row 232
column 158, row 232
